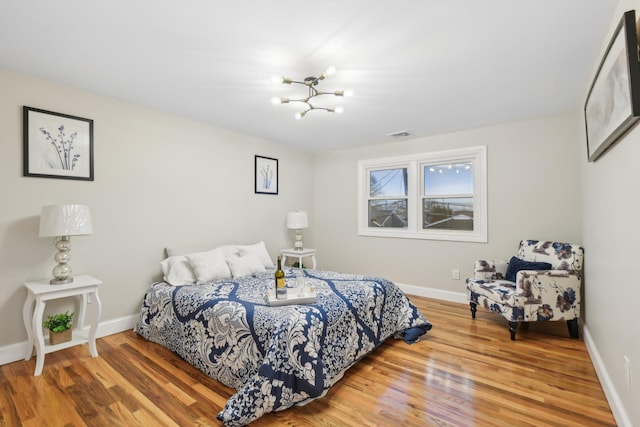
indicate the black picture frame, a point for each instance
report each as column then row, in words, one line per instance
column 57, row 145
column 613, row 103
column 266, row 175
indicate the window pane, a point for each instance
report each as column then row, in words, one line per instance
column 390, row 213
column 388, row 182
column 454, row 178
column 451, row 213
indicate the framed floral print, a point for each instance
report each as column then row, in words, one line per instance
column 266, row 175
column 57, row 145
column 613, row 103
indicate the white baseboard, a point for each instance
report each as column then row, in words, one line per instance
column 14, row 352
column 421, row 291
column 117, row 325
column 617, row 408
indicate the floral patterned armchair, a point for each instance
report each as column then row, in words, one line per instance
column 541, row 283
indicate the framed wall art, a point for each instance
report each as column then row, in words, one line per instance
column 613, row 102
column 57, row 145
column 266, row 175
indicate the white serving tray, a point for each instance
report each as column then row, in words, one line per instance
column 293, row 298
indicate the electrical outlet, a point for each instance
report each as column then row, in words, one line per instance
column 455, row 274
column 627, row 370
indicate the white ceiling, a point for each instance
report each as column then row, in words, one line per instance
column 425, row 66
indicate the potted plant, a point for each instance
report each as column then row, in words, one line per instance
column 59, row 326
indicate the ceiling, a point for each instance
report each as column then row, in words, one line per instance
column 423, row 66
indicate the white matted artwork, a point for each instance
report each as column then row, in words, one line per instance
column 266, row 175
column 57, row 145
column 613, row 103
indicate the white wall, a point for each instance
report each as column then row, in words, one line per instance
column 611, row 203
column 160, row 180
column 533, row 191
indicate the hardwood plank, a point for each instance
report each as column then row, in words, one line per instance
column 464, row 372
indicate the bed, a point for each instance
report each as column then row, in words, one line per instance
column 275, row 357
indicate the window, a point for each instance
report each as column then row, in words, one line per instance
column 447, row 196
column 440, row 196
column 388, row 198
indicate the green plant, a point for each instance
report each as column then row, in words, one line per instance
column 59, row 322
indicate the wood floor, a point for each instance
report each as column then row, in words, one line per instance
column 465, row 372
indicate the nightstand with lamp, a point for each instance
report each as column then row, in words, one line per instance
column 61, row 221
column 298, row 220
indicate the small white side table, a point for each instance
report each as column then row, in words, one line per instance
column 39, row 292
column 294, row 253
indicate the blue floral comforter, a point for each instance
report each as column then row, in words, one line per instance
column 277, row 357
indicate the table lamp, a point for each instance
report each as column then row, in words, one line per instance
column 62, row 221
column 297, row 221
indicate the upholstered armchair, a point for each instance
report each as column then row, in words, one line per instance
column 541, row 283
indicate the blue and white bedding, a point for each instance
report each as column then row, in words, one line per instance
column 277, row 357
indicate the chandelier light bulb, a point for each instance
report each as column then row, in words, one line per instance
column 300, row 115
column 349, row 93
column 339, row 109
column 277, row 79
column 276, row 101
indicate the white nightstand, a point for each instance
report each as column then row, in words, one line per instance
column 39, row 292
column 293, row 253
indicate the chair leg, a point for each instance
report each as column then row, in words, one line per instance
column 473, row 306
column 512, row 329
column 573, row 328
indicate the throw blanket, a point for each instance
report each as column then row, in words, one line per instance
column 277, row 357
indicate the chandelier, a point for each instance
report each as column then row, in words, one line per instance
column 310, row 83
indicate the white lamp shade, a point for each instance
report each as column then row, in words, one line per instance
column 65, row 220
column 297, row 220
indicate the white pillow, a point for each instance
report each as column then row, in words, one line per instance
column 259, row 250
column 179, row 251
column 244, row 265
column 185, row 250
column 209, row 265
column 229, row 250
column 178, row 271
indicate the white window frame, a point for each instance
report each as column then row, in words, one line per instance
column 415, row 181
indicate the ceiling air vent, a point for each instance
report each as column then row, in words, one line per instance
column 399, row 134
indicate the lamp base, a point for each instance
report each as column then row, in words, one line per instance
column 61, row 281
column 298, row 243
column 62, row 271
